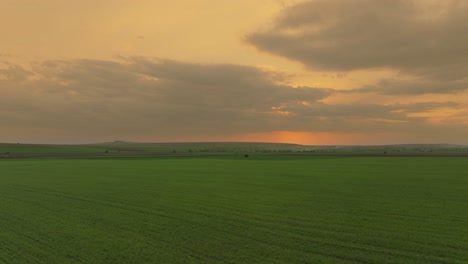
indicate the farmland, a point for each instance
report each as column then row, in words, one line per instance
column 131, row 149
column 230, row 209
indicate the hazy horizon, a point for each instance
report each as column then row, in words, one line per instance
column 227, row 142
column 310, row 72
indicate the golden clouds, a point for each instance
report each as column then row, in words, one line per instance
column 375, row 69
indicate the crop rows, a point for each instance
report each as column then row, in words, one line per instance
column 335, row 210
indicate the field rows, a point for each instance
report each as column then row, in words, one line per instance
column 234, row 211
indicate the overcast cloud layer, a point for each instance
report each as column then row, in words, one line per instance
column 141, row 97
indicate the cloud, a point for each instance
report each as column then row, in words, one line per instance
column 141, row 96
column 427, row 40
column 12, row 72
column 136, row 97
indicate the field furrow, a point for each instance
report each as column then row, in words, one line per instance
column 366, row 210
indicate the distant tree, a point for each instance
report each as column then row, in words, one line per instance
column 246, row 155
column 107, row 151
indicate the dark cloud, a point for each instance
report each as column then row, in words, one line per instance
column 104, row 100
column 224, row 85
column 140, row 96
column 425, row 39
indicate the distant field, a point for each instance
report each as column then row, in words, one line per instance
column 25, row 149
column 261, row 209
column 126, row 149
column 131, row 149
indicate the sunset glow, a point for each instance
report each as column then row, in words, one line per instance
column 298, row 71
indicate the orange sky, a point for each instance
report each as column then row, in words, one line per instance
column 287, row 71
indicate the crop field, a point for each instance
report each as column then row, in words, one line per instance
column 234, row 210
column 132, row 149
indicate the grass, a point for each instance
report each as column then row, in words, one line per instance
column 255, row 210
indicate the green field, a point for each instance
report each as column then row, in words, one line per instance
column 234, row 210
column 132, row 149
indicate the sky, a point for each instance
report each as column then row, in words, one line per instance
column 315, row 72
